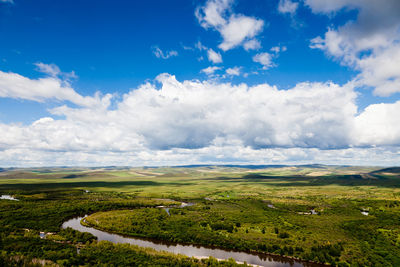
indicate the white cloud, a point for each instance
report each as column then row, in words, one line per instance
column 54, row 71
column 239, row 29
column 200, row 46
column 187, row 48
column 7, row 1
column 213, row 13
column 287, row 6
column 215, row 154
column 193, row 121
column 195, row 114
column 370, row 44
column 13, row 85
column 381, row 71
column 235, row 29
column 378, row 125
column 213, row 56
column 235, row 71
column 160, row 54
column 264, row 59
column 252, row 44
column 210, row 70
column 330, row 6
column 50, row 69
column 278, row 49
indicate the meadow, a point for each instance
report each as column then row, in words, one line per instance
column 335, row 215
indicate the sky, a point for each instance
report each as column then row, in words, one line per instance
column 163, row 83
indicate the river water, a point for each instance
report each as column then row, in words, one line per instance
column 8, row 197
column 189, row 250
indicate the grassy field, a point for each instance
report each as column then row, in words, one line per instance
column 251, row 209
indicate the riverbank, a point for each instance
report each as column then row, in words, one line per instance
column 254, row 258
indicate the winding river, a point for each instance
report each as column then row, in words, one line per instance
column 189, row 250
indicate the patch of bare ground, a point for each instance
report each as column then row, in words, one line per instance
column 318, row 173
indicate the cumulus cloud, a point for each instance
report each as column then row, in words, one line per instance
column 287, row 6
column 370, row 44
column 213, row 56
column 213, row 13
column 238, row 29
column 235, row 29
column 194, row 114
column 381, row 71
column 160, row 54
column 170, row 122
column 252, row 44
column 378, row 125
column 13, row 85
column 264, row 59
column 210, row 70
column 235, row 71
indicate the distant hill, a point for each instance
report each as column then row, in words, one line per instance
column 313, row 166
column 255, row 166
column 387, row 170
column 231, row 166
column 263, row 166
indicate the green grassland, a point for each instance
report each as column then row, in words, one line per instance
column 248, row 209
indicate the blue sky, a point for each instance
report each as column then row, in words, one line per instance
column 109, row 46
column 177, row 82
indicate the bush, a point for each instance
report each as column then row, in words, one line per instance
column 283, row 235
